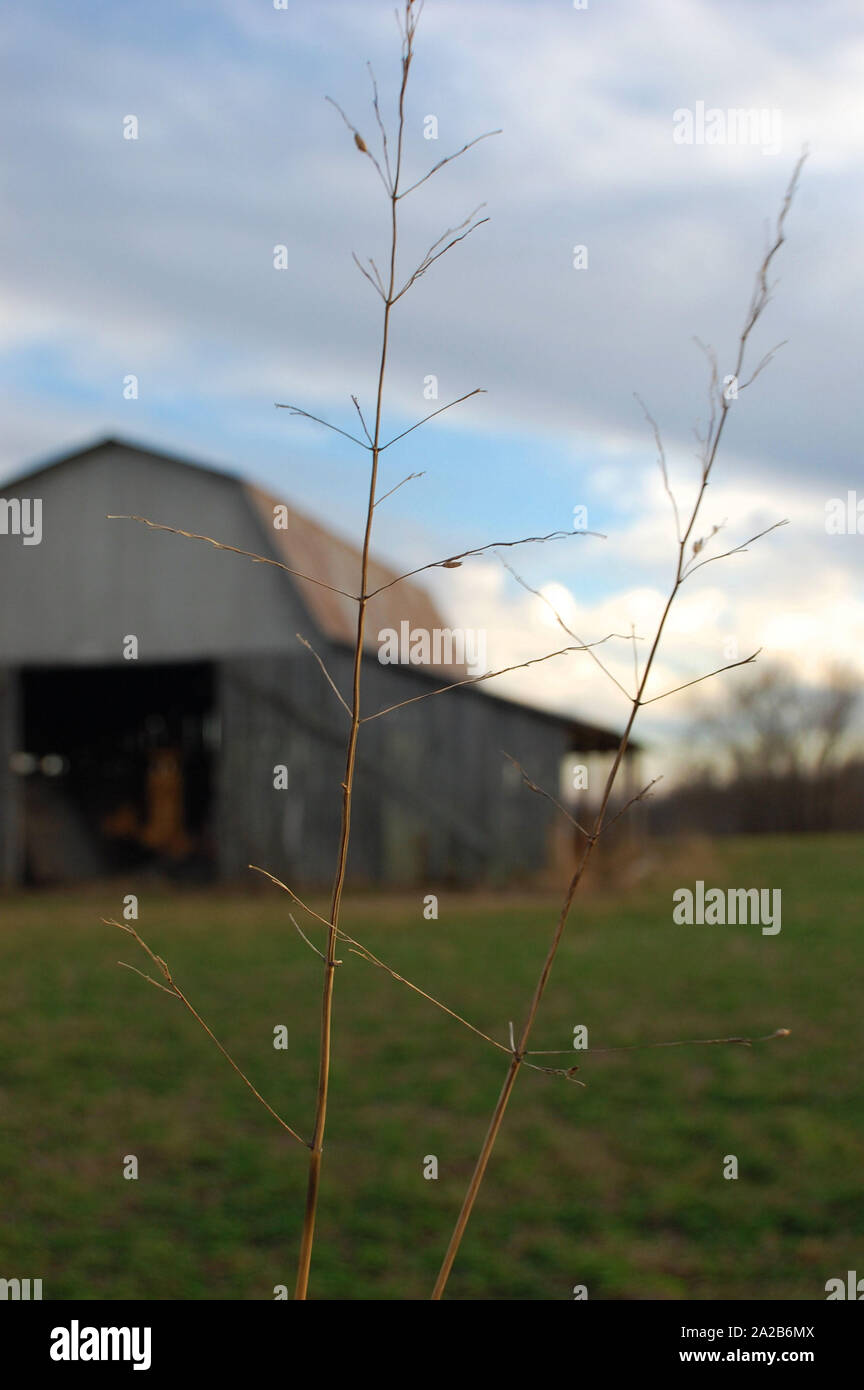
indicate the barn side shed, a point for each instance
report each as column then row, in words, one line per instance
column 150, row 686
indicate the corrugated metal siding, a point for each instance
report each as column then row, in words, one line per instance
column 439, row 763
column 434, row 801
column 271, row 716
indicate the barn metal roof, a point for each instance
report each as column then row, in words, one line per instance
column 312, row 549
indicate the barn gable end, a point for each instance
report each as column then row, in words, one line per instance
column 91, row 582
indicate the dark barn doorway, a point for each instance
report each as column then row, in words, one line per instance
column 116, row 771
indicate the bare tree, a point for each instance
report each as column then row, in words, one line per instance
column 776, row 725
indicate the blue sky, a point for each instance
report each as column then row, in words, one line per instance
column 155, row 257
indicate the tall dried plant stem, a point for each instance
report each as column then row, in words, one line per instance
column 317, row 1141
column 685, row 565
column 389, row 171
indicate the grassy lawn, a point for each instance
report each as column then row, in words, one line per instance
column 618, row 1186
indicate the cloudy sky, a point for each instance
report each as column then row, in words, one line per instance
column 155, row 257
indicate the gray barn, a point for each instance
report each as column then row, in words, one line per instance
column 169, row 759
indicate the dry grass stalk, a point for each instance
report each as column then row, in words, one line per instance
column 390, row 293
column 687, row 551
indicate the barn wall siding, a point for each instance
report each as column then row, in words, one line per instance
column 434, row 799
column 271, row 716
column 452, row 808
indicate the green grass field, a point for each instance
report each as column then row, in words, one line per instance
column 618, row 1186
